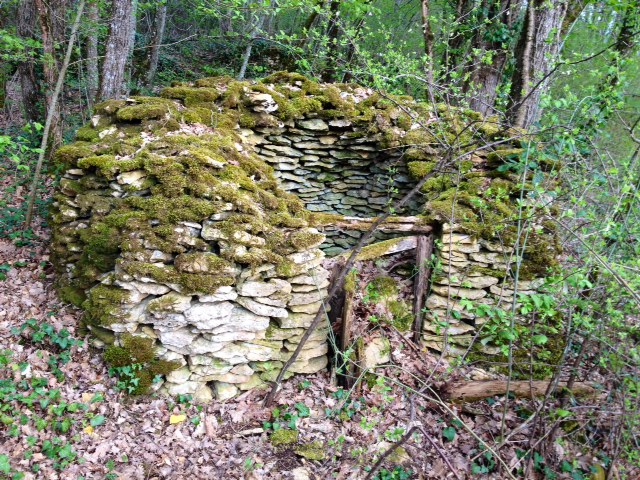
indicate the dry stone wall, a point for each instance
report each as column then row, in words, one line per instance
column 187, row 225
column 476, row 270
column 334, row 167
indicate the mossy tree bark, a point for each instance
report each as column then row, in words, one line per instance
column 115, row 58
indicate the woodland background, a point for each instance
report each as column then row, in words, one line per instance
column 567, row 70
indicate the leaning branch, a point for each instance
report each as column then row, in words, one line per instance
column 50, row 115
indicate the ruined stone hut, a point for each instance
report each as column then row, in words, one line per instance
column 193, row 228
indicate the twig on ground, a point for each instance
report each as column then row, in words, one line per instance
column 386, row 454
column 440, row 452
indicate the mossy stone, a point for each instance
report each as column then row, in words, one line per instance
column 68, row 154
column 283, row 437
column 311, row 451
column 141, row 112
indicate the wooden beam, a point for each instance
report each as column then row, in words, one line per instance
column 386, row 247
column 391, row 224
column 424, row 251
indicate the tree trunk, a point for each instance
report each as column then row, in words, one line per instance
column 536, row 54
column 247, row 51
column 115, row 57
column 55, row 94
column 50, row 68
column 131, row 62
column 26, row 68
column 58, row 9
column 93, row 17
column 159, row 22
column 427, row 35
column 486, row 76
column 332, row 41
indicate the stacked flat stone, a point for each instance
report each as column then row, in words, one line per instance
column 477, row 270
column 189, row 220
column 232, row 339
column 333, row 166
column 226, row 339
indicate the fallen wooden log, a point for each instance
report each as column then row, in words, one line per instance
column 479, row 389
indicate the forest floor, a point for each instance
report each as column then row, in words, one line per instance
column 62, row 415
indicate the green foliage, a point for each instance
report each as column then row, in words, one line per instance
column 449, row 434
column 288, row 418
column 44, row 335
column 20, row 149
column 135, row 364
column 33, row 405
column 398, row 473
column 346, row 407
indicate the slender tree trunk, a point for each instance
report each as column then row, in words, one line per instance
column 159, row 22
column 93, row 17
column 26, row 68
column 536, row 54
column 50, row 115
column 427, row 35
column 129, row 73
column 247, row 51
column 486, row 76
column 50, row 68
column 116, row 50
column 332, row 40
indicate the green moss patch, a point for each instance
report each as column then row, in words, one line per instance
column 136, row 364
column 311, row 451
column 283, row 437
column 141, row 112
